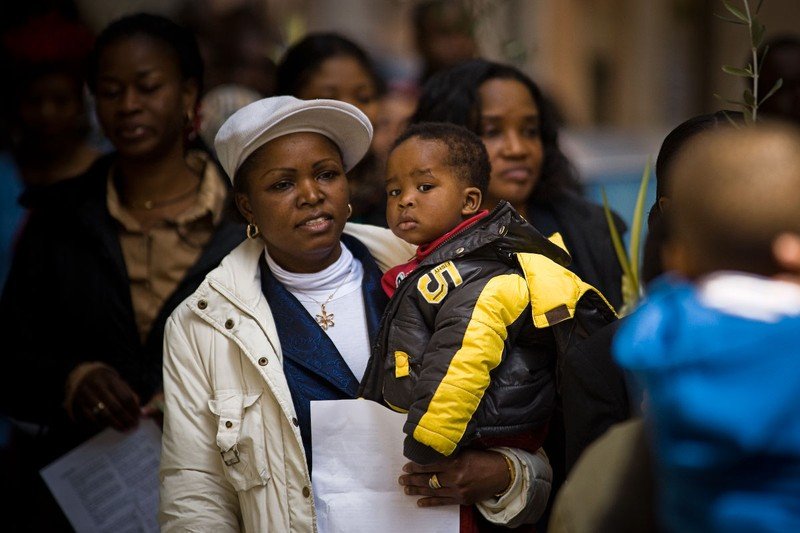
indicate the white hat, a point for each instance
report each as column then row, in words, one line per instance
column 256, row 124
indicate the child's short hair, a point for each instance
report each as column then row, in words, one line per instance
column 466, row 153
column 733, row 191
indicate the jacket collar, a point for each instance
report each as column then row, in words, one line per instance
column 506, row 231
column 238, row 277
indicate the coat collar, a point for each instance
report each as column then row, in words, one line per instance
column 506, row 231
column 238, row 279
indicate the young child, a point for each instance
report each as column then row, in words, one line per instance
column 466, row 347
column 717, row 350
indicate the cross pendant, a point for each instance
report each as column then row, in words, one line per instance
column 325, row 319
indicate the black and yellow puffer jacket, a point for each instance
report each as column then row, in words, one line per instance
column 469, row 343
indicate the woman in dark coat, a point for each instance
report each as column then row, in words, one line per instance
column 518, row 126
column 106, row 257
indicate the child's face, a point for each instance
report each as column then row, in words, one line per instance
column 426, row 199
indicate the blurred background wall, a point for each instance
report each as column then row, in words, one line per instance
column 622, row 72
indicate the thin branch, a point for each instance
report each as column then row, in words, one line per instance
column 754, row 51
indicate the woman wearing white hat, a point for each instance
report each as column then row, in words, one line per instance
column 288, row 317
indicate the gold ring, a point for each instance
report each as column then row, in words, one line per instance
column 97, row 408
column 433, row 482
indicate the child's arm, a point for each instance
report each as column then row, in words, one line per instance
column 468, row 342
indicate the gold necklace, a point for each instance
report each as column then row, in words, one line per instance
column 324, row 318
column 149, row 205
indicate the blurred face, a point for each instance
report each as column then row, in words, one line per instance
column 446, row 39
column 425, row 198
column 510, row 132
column 343, row 78
column 142, row 100
column 296, row 193
column 52, row 109
column 394, row 111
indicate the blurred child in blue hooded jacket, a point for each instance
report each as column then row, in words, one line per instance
column 716, row 346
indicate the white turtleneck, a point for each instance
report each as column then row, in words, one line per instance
column 349, row 332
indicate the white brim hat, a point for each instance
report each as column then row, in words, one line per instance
column 256, row 124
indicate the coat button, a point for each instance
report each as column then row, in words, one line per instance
column 295, row 422
column 202, row 304
column 459, row 251
column 229, row 324
column 229, row 424
column 306, row 492
column 263, row 361
column 502, row 230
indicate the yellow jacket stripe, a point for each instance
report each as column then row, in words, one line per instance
column 500, row 304
column 555, row 291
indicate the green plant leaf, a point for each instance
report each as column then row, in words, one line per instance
column 736, row 103
column 761, row 59
column 730, row 102
column 636, row 229
column 730, row 119
column 731, row 20
column 749, row 99
column 757, row 30
column 743, row 72
column 778, row 85
column 735, row 12
column 619, row 249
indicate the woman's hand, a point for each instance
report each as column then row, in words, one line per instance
column 471, row 476
column 155, row 409
column 104, row 398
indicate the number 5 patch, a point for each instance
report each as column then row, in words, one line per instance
column 433, row 286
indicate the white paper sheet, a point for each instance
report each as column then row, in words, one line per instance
column 357, row 447
column 110, row 482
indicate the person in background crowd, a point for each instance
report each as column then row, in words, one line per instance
column 217, row 105
column 236, row 41
column 394, row 112
column 288, row 317
column 443, row 34
column 107, row 256
column 327, row 65
column 44, row 109
column 47, row 105
column 782, row 61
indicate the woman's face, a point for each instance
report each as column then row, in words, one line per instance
column 296, row 193
column 510, row 131
column 343, row 78
column 51, row 110
column 142, row 99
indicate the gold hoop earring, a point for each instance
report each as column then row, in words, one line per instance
column 252, row 231
column 349, row 211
